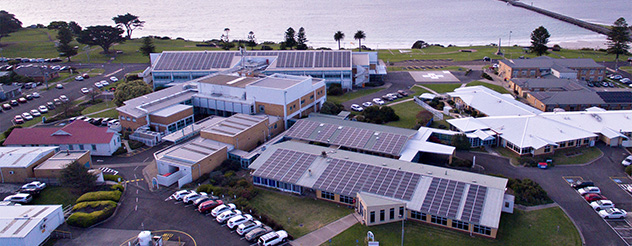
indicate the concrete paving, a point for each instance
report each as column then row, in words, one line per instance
column 327, row 232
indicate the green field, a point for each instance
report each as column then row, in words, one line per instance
column 55, row 195
column 353, row 95
column 536, row 228
column 110, row 113
column 299, row 215
column 442, row 88
column 98, row 107
column 496, row 88
column 407, row 112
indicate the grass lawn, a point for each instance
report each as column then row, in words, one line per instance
column 443, row 88
column 407, row 113
column 353, row 95
column 570, row 156
column 298, row 215
column 520, row 228
column 111, row 113
column 30, row 43
column 55, row 195
column 497, row 88
column 626, row 68
column 98, row 107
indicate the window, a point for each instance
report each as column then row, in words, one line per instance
column 401, row 211
column 327, row 195
column 460, row 225
column 583, row 71
column 438, row 220
column 417, row 215
column 524, row 72
column 128, row 119
column 547, row 149
column 532, row 72
column 158, row 77
column 382, row 215
column 133, row 119
column 81, row 147
column 346, row 199
column 586, row 140
column 311, row 97
column 571, row 143
column 256, row 180
column 70, row 147
column 372, row 217
column 482, row 230
column 392, row 213
column 303, row 101
column 562, row 144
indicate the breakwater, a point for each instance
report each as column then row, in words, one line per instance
column 586, row 25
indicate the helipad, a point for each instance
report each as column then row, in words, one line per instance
column 433, row 77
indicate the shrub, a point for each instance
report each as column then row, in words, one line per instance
column 628, row 170
column 458, row 162
column 135, row 144
column 331, row 108
column 100, row 196
column 117, row 187
column 119, row 151
column 84, row 220
column 204, row 188
column 112, row 177
column 528, row 192
column 486, row 76
column 334, row 90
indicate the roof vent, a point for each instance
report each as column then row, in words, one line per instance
column 474, row 181
column 340, row 127
column 383, row 164
column 376, row 133
column 321, row 124
column 429, row 172
column 376, row 138
column 346, row 157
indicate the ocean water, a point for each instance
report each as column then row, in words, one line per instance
column 387, row 23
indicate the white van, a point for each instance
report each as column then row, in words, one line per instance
column 273, row 238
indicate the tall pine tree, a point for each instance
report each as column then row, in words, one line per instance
column 65, row 37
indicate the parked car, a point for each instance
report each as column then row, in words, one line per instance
column 27, row 116
column 589, row 190
column 104, row 82
column 590, row 84
column 18, row 119
column 85, row 75
column 63, row 98
column 395, row 95
column 378, row 101
column 35, row 113
column 582, row 183
column 356, row 107
column 22, row 198
column 248, row 226
column 625, row 80
column 613, row 213
column 85, row 90
column 201, row 200
column 36, row 95
column 403, row 93
column 594, row 197
column 617, row 77
column 627, row 161
column 226, row 215
column 113, row 79
column 273, row 238
column 22, row 100
column 207, row 206
column 6, row 106
column 59, row 86
column 35, row 185
column 602, row 204
column 98, row 85
column 238, row 220
column 222, row 208
column 254, row 234
column 29, row 97
column 14, row 103
column 50, row 105
column 178, row 195
column 187, row 199
column 79, row 78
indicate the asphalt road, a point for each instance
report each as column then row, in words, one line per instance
column 71, row 89
column 594, row 229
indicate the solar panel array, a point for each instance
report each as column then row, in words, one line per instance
column 194, row 61
column 353, row 137
column 302, row 129
column 443, row 197
column 285, row 166
column 347, row 178
column 325, row 133
column 332, row 59
column 295, row 59
column 390, row 143
column 473, row 207
column 616, row 96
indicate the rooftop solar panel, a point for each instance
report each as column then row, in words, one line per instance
column 616, row 96
column 443, row 197
column 325, row 132
column 473, row 207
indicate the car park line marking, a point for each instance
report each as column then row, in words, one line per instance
column 571, row 179
column 133, row 180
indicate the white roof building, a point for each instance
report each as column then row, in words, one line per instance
column 492, row 103
column 28, row 225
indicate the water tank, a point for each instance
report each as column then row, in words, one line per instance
column 144, row 238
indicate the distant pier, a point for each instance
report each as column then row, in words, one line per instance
column 587, row 25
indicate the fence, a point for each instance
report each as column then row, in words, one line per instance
column 437, row 114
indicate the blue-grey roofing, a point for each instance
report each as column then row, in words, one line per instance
column 548, row 62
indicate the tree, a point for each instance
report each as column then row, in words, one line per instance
column 618, row 38
column 252, row 41
column 130, row 22
column 331, row 108
column 148, row 46
column 359, row 35
column 76, row 176
column 461, row 142
column 65, row 37
column 227, row 45
column 104, row 36
column 301, row 39
column 57, row 25
column 65, row 108
column 379, row 115
column 339, row 36
column 93, row 94
column 75, row 28
column 539, row 38
column 290, row 38
column 8, row 24
column 129, row 90
column 224, row 36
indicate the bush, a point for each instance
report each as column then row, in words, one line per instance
column 486, row 76
column 334, row 90
column 331, row 108
column 84, row 220
column 117, row 187
column 100, row 196
column 135, row 144
column 458, row 162
column 112, row 177
column 119, row 151
column 205, row 188
column 528, row 192
column 628, row 170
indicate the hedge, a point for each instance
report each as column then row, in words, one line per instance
column 117, row 187
column 84, row 220
column 100, row 196
column 112, row 177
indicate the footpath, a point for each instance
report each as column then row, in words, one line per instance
column 327, row 232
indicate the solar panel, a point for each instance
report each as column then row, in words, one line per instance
column 616, row 96
column 325, row 132
column 473, row 207
column 285, row 166
column 443, row 197
column 302, row 129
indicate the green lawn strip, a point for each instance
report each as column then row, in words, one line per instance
column 449, row 68
column 520, row 228
column 497, row 88
column 407, row 113
column 626, row 68
column 98, row 107
column 55, row 195
column 111, row 113
column 442, row 88
column 30, row 43
column 353, row 95
column 299, row 215
column 418, row 90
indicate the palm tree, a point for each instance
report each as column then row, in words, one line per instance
column 339, row 36
column 359, row 35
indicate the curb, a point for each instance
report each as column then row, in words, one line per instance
column 581, row 235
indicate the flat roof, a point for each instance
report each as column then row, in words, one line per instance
column 157, row 100
column 492, row 103
column 235, row 124
column 23, row 156
column 477, row 198
column 278, row 82
column 548, row 62
column 228, row 80
column 192, row 129
column 19, row 221
column 61, row 159
column 171, row 110
column 191, row 152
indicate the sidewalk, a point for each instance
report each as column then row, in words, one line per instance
column 327, row 232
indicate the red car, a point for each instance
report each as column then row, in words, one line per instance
column 18, row 119
column 594, row 197
column 207, row 206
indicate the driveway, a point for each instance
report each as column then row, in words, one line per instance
column 594, row 229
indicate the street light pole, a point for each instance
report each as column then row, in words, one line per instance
column 403, row 219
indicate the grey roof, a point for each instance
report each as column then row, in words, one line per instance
column 351, row 134
column 568, row 97
column 228, row 80
column 157, row 100
column 460, row 195
column 548, row 62
column 62, row 159
column 548, row 83
column 19, row 221
column 192, row 152
column 235, row 124
column 23, row 156
column 278, row 81
column 6, row 88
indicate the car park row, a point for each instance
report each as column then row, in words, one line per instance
column 592, row 195
column 24, row 195
column 379, row 101
column 227, row 214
